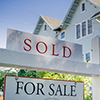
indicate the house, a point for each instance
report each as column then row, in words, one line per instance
column 80, row 25
column 46, row 25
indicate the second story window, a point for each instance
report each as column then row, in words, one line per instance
column 89, row 26
column 84, row 29
column 78, row 31
column 45, row 27
column 83, row 6
column 62, row 35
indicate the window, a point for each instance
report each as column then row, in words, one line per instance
column 89, row 26
column 84, row 29
column 78, row 31
column 63, row 35
column 45, row 27
column 83, row 7
column 87, row 55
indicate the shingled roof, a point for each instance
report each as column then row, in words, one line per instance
column 53, row 23
column 96, row 2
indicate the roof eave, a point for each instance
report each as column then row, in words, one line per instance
column 35, row 32
column 46, row 22
column 71, row 10
column 96, row 6
column 64, row 23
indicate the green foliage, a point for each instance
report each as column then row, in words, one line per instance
column 2, row 76
column 29, row 73
column 87, row 80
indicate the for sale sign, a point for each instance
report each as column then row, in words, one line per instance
column 41, row 89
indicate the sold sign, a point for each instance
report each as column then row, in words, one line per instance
column 46, row 48
column 35, row 44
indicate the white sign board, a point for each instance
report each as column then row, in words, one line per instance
column 41, row 89
column 35, row 44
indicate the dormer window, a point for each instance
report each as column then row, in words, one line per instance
column 83, row 6
column 63, row 35
column 45, row 27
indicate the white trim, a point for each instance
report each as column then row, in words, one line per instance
column 74, row 67
column 76, row 32
column 85, row 55
column 87, row 28
column 44, row 27
column 84, row 37
column 81, row 7
column 90, row 56
column 81, row 30
column 46, row 22
column 57, row 35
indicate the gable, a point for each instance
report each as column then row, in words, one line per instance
column 72, row 10
column 51, row 22
column 55, row 24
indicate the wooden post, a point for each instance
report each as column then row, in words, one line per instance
column 95, row 44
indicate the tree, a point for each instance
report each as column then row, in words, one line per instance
column 2, row 77
column 87, row 82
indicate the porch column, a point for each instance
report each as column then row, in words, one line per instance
column 95, row 49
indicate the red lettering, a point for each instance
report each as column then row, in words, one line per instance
column 65, row 47
column 39, row 50
column 53, row 53
column 25, row 41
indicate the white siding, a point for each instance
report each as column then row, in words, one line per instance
column 79, row 18
column 48, row 33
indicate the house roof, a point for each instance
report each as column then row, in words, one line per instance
column 96, row 2
column 58, row 24
column 53, row 23
column 96, row 14
column 72, row 9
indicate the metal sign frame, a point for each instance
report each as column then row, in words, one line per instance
column 9, row 58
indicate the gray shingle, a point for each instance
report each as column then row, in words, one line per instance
column 53, row 23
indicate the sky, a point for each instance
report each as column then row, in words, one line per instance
column 23, row 15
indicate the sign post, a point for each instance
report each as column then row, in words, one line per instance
column 95, row 44
column 49, row 55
